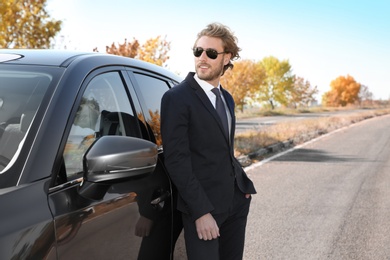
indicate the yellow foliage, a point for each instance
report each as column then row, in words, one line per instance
column 279, row 81
column 243, row 81
column 154, row 50
column 26, row 24
column 344, row 91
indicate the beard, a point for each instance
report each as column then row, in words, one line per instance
column 213, row 74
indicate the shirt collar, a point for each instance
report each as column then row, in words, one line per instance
column 203, row 84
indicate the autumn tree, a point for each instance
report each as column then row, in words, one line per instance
column 127, row 49
column 243, row 81
column 278, row 83
column 154, row 123
column 26, row 24
column 344, row 91
column 154, row 50
column 365, row 95
column 302, row 93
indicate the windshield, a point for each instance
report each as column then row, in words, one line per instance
column 21, row 93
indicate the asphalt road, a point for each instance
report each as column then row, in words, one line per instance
column 327, row 199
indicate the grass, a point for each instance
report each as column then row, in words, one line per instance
column 259, row 112
column 298, row 132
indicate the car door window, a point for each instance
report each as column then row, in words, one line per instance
column 104, row 110
column 152, row 90
column 135, row 218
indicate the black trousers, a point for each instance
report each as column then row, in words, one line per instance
column 230, row 244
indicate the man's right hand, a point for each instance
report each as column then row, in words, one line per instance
column 207, row 227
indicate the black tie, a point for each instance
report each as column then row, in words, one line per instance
column 220, row 107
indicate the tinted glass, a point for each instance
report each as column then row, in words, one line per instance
column 152, row 90
column 125, row 224
column 104, row 110
column 21, row 94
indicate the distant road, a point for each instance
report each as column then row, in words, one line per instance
column 329, row 199
column 259, row 122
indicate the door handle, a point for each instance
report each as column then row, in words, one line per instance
column 161, row 198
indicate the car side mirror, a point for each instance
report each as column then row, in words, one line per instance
column 114, row 159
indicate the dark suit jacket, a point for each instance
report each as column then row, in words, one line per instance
column 199, row 158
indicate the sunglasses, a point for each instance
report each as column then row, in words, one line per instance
column 211, row 53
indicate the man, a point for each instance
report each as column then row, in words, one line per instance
column 214, row 191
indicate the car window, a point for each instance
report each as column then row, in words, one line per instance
column 21, row 94
column 104, row 109
column 152, row 90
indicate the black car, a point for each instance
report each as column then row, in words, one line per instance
column 81, row 160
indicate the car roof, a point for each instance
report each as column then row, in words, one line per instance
column 63, row 58
column 46, row 57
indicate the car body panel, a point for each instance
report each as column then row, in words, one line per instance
column 27, row 229
column 47, row 217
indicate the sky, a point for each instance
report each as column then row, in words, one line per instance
column 321, row 39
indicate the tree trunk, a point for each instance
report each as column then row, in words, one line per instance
column 272, row 104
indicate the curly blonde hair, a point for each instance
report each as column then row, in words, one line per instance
column 229, row 41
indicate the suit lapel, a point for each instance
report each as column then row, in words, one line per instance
column 206, row 102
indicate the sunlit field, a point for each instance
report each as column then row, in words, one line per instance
column 296, row 132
